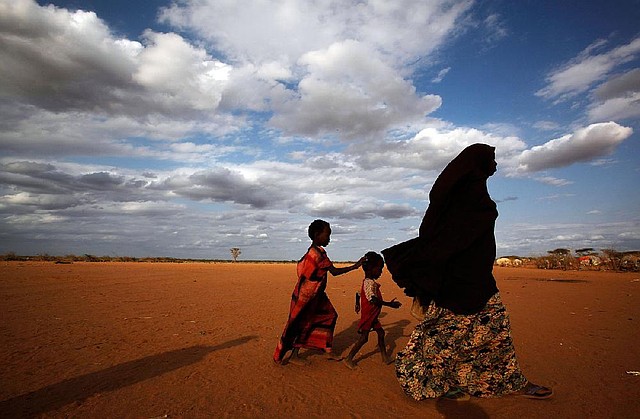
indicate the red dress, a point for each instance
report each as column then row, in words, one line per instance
column 312, row 318
column 369, row 312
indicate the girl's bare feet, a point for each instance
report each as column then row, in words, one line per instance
column 387, row 359
column 331, row 357
column 349, row 363
column 295, row 358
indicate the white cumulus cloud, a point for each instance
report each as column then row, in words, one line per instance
column 581, row 73
column 594, row 141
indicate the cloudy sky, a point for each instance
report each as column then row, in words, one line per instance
column 184, row 128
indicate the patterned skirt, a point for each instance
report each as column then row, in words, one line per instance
column 473, row 353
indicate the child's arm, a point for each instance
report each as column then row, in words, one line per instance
column 339, row 271
column 393, row 303
column 357, row 302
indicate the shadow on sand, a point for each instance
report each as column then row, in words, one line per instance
column 80, row 388
column 343, row 340
column 453, row 410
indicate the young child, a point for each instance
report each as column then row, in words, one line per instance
column 372, row 303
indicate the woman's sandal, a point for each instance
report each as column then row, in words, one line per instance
column 533, row 391
column 456, row 395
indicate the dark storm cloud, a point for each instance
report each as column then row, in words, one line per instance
column 224, row 185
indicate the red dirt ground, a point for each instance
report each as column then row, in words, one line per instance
column 145, row 340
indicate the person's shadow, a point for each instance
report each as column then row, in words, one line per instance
column 80, row 388
column 459, row 410
column 343, row 340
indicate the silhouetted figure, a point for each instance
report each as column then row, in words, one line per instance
column 463, row 345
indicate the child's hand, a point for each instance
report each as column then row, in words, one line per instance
column 395, row 303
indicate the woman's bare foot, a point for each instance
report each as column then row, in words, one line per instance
column 534, row 391
column 456, row 395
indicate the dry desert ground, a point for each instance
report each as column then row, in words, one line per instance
column 171, row 340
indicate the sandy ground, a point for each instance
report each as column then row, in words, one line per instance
column 144, row 340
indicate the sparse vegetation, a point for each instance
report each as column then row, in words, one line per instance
column 584, row 259
column 12, row 256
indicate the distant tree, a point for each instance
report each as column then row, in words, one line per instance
column 11, row 256
column 561, row 257
column 587, row 251
column 235, row 252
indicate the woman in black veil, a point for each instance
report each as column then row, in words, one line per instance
column 463, row 345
